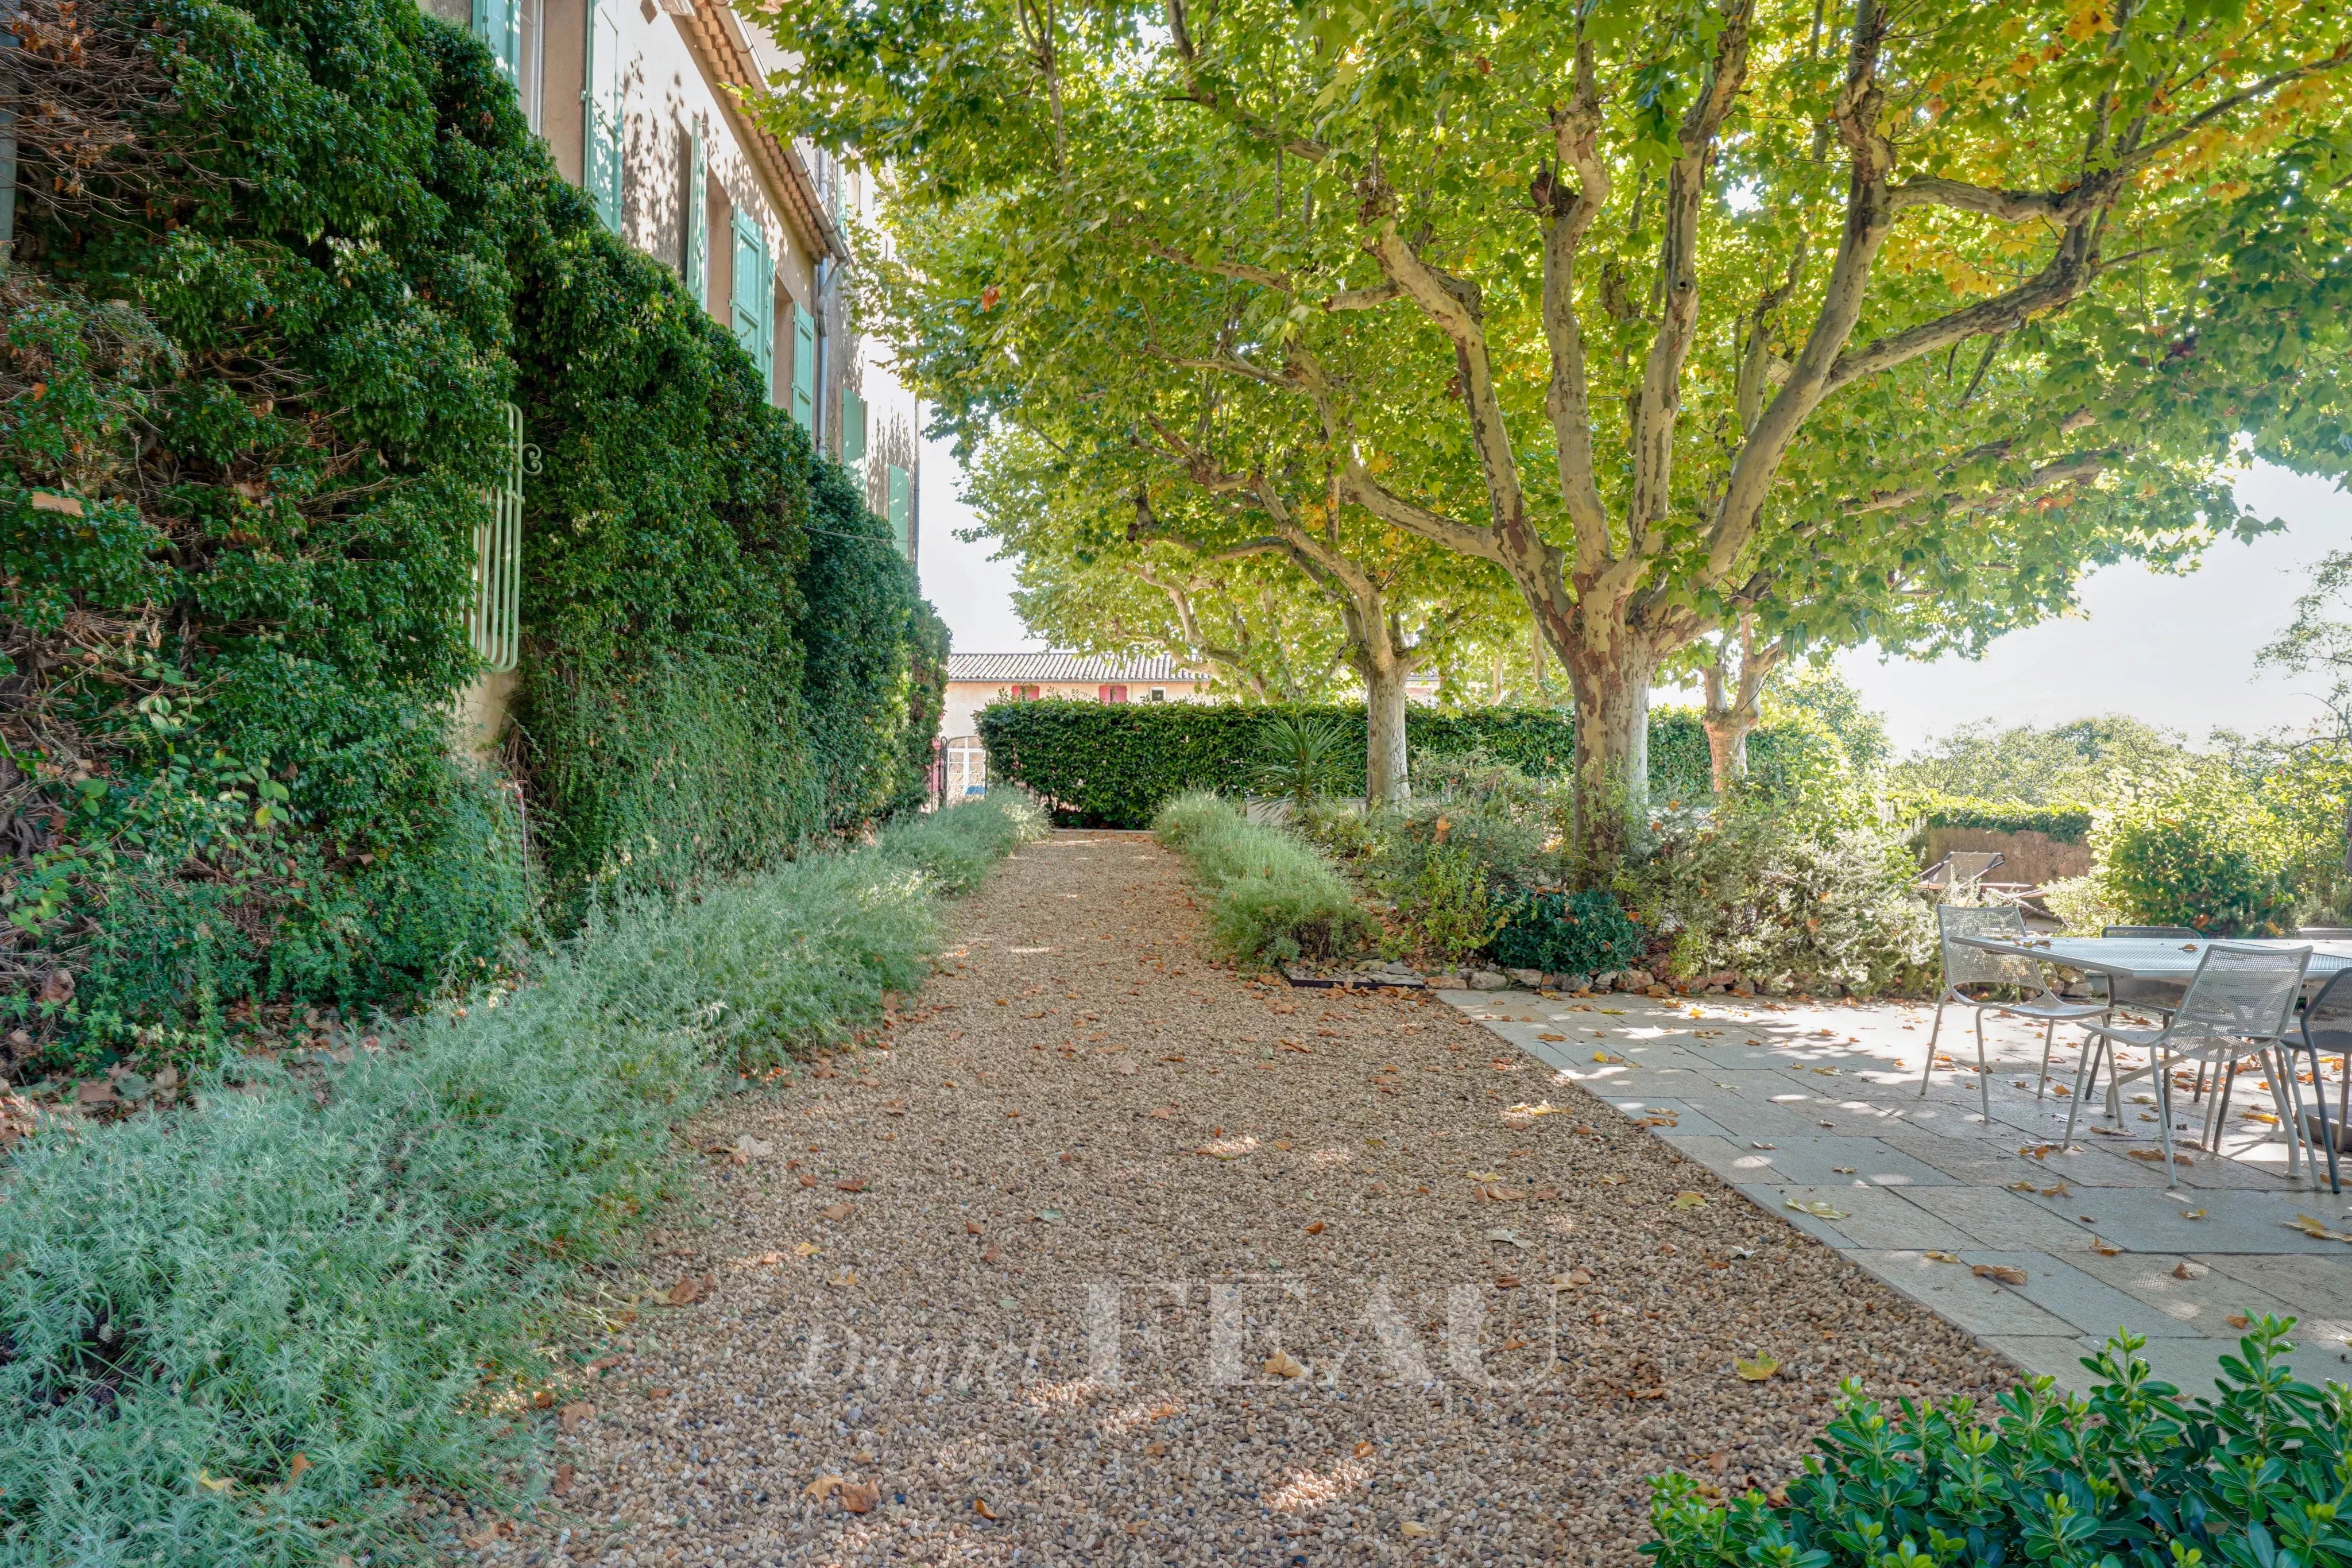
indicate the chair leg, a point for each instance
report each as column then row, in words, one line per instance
column 1932, row 1035
column 2285, row 1099
column 1984, row 1072
column 2092, row 1049
column 2164, row 1129
column 2200, row 1093
column 2042, row 1082
column 2319, row 1103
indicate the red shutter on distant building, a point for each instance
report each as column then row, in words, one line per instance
column 1112, row 694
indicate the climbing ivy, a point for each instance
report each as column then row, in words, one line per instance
column 258, row 352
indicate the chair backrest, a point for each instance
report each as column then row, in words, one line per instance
column 2241, row 991
column 2327, row 1021
column 1967, row 965
column 2169, row 933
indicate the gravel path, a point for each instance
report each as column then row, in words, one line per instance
column 1114, row 1257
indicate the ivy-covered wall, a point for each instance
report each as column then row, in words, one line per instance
column 259, row 346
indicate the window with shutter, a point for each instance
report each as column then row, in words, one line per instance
column 755, row 289
column 1111, row 693
column 853, row 428
column 498, row 25
column 804, row 367
column 901, row 502
column 601, row 118
column 694, row 264
column 493, row 621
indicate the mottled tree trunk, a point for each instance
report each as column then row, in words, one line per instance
column 1386, row 776
column 1611, row 679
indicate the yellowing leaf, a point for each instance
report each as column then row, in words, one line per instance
column 806, row 1250
column 1690, row 1200
column 1281, row 1364
column 1820, row 1208
column 1759, row 1369
column 1941, row 1257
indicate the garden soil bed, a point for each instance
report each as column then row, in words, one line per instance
column 1115, row 1257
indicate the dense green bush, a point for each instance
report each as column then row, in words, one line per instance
column 2202, row 850
column 1272, row 899
column 251, row 1330
column 2133, row 1476
column 1114, row 764
column 1792, row 754
column 316, row 301
column 1788, row 897
column 1562, row 932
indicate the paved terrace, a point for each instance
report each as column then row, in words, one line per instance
column 1813, row 1112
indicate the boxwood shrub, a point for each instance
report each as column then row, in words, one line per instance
column 1568, row 933
column 2134, row 1476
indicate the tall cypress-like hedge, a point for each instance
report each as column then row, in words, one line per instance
column 1116, row 764
column 258, row 355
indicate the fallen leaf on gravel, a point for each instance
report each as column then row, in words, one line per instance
column 748, row 1148
column 838, row 1211
column 1316, row 1228
column 1690, row 1200
column 1163, row 1112
column 1506, row 1281
column 658, row 1392
column 1364, row 1450
column 989, row 1254
column 858, row 1185
column 808, row 1180
column 686, row 1292
column 1414, row 1527
column 825, row 1487
column 1509, row 1238
column 848, row 1277
column 1820, row 1208
column 1941, row 1257
column 764, row 1260
column 562, row 1485
column 1281, row 1364
column 805, row 1249
column 1613, row 1180
column 1756, row 1371
column 979, row 1506
column 2001, row 1271
column 1573, row 1277
column 1541, row 1108
column 574, row 1416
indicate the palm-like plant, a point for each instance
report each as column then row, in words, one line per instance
column 1301, row 757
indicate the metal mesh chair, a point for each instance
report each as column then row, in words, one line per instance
column 1965, row 966
column 1959, row 872
column 2238, row 1004
column 2327, row 1025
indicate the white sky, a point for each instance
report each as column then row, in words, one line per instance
column 2174, row 650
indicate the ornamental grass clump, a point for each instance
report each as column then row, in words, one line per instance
column 2133, row 1476
column 1273, row 899
column 253, row 1331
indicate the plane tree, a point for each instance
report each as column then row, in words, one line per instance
column 1885, row 320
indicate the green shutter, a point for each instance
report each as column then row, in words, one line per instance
column 755, row 290
column 804, row 367
column 696, row 263
column 498, row 25
column 902, row 510
column 601, row 117
column 853, row 428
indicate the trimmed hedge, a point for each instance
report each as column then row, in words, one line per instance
column 1273, row 898
column 2066, row 825
column 1114, row 764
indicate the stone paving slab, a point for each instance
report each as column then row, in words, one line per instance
column 1821, row 1103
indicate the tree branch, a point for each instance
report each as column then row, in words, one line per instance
column 1566, row 215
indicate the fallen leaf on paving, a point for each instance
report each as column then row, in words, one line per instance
column 1316, row 1228
column 2237, row 1320
column 2061, row 1190
column 1820, row 1208
column 2105, row 1248
column 1689, row 1200
column 1843, row 1170
column 2153, row 1157
column 1281, row 1364
column 2192, row 1214
column 2001, row 1271
column 1941, row 1257
column 860, row 1497
column 2184, row 1269
column 846, row 1277
column 1762, row 1367
column 838, row 1211
column 979, row 1506
column 1760, row 1145
column 2022, row 1187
